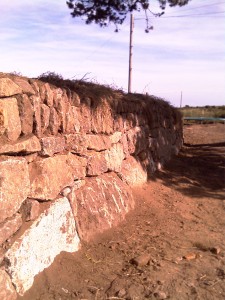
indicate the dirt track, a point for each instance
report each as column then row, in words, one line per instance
column 170, row 247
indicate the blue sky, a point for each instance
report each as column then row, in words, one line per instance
column 185, row 51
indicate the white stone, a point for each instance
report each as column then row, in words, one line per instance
column 114, row 157
column 133, row 172
column 54, row 231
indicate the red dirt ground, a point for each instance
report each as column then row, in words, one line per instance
column 171, row 246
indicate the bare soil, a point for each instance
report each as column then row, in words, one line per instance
column 171, row 246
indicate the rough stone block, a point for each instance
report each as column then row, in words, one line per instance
column 62, row 110
column 50, row 175
column 26, row 145
column 76, row 143
column 84, row 118
column 133, row 172
column 7, row 291
column 36, row 102
column 14, row 188
column 101, row 203
column 26, row 114
column 96, row 163
column 24, row 85
column 114, row 157
column 51, row 145
column 137, row 139
column 54, row 121
column 57, row 96
column 10, row 124
column 45, row 115
column 9, row 227
column 46, row 94
column 102, row 117
column 98, row 142
column 8, row 88
column 54, row 231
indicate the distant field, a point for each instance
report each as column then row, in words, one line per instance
column 206, row 111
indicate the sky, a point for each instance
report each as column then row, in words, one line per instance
column 183, row 54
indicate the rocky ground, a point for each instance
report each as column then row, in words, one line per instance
column 171, row 246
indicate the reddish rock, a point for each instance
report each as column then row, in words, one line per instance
column 50, row 175
column 215, row 250
column 98, row 142
column 114, row 157
column 28, row 144
column 70, row 119
column 51, row 145
column 133, row 172
column 13, row 188
column 74, row 99
column 26, row 114
column 62, row 110
column 125, row 145
column 36, row 103
column 24, row 85
column 45, row 115
column 34, row 85
column 190, row 256
column 101, row 203
column 96, row 164
column 47, row 94
column 8, row 88
column 30, row 209
column 54, row 121
column 9, row 227
column 137, row 139
column 102, row 118
column 7, row 291
column 57, row 96
column 141, row 260
column 54, row 231
column 84, row 117
column 10, row 124
column 76, row 143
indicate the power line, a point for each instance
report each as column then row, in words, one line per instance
column 198, row 14
column 187, row 15
column 202, row 6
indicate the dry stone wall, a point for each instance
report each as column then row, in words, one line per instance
column 68, row 157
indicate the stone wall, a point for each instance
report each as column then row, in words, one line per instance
column 68, row 155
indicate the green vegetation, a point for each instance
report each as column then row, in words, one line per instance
column 205, row 111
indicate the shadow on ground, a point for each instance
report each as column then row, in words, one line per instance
column 198, row 171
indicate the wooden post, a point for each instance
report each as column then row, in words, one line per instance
column 130, row 52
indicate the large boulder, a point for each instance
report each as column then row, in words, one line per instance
column 14, row 188
column 100, row 204
column 54, row 231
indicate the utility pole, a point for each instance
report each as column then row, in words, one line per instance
column 130, row 52
column 181, row 96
